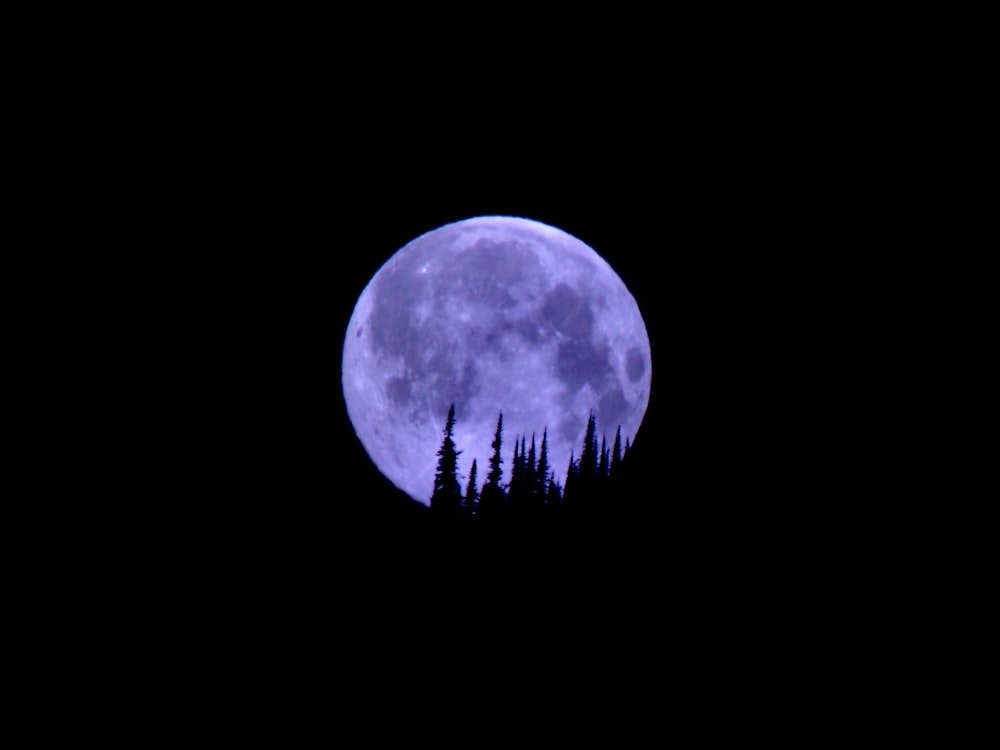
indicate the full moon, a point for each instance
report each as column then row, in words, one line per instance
column 492, row 314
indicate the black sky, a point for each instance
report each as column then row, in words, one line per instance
column 731, row 201
column 712, row 227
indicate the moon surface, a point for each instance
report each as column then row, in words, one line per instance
column 494, row 314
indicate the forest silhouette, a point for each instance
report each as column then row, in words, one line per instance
column 530, row 490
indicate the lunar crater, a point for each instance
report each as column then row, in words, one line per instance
column 635, row 365
column 578, row 363
column 399, row 390
column 568, row 312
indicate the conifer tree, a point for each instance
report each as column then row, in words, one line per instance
column 515, row 468
column 471, row 492
column 572, row 480
column 531, row 471
column 494, row 475
column 588, row 459
column 519, row 490
column 447, row 495
column 553, row 495
column 544, row 469
column 493, row 498
column 616, row 456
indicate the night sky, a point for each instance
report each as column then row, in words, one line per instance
column 721, row 255
column 736, row 218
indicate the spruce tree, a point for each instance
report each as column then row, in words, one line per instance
column 492, row 498
column 531, row 471
column 517, row 491
column 447, row 495
column 471, row 492
column 543, row 469
column 494, row 475
column 553, row 495
column 616, row 456
column 588, row 459
column 571, row 489
column 603, row 469
column 515, row 471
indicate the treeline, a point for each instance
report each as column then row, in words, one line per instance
column 532, row 487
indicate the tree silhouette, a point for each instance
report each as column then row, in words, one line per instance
column 616, row 456
column 553, row 495
column 533, row 478
column 493, row 498
column 514, row 485
column 494, row 475
column 543, row 468
column 588, row 458
column 602, row 469
column 590, row 483
column 447, row 495
column 519, row 491
column 471, row 494
column 571, row 490
column 584, row 483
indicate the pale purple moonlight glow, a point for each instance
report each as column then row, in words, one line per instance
column 494, row 314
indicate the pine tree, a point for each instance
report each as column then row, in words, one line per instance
column 585, row 490
column 531, row 471
column 492, row 498
column 543, row 470
column 471, row 493
column 572, row 480
column 524, row 462
column 616, row 456
column 447, row 495
column 494, row 476
column 588, row 459
column 553, row 495
column 515, row 470
column 603, row 469
column 519, row 488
